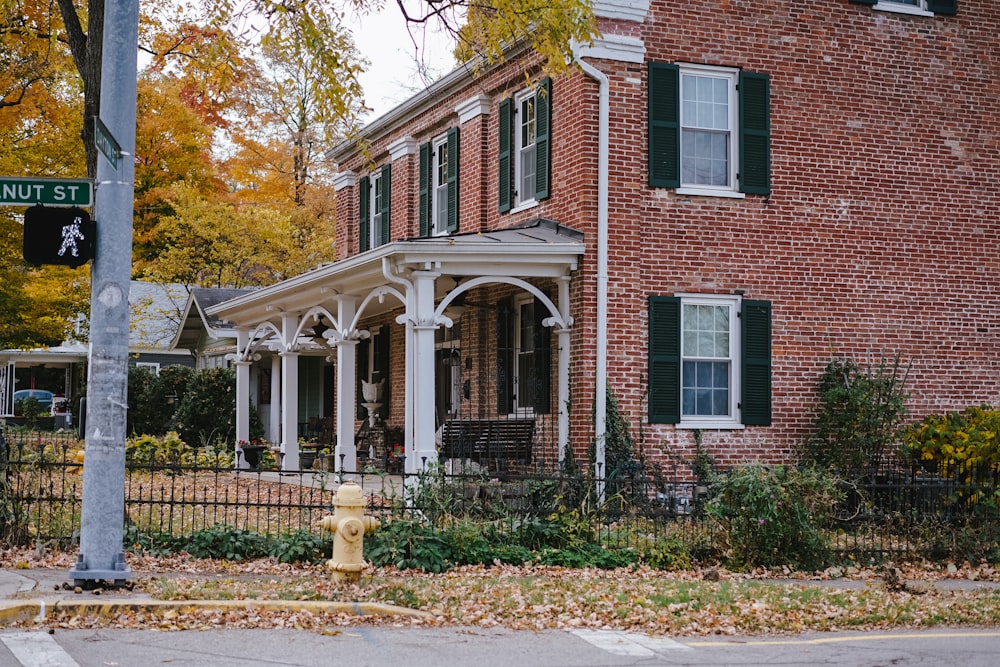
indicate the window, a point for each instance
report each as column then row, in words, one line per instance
column 523, row 357
column 524, row 138
column 151, row 365
column 709, row 130
column 374, row 194
column 439, row 185
column 709, row 361
column 918, row 7
column 707, row 121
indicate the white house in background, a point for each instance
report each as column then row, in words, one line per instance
column 155, row 310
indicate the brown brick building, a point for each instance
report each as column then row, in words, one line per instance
column 723, row 197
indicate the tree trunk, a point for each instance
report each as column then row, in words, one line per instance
column 87, row 51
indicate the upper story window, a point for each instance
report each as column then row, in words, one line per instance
column 709, row 361
column 709, row 130
column 439, row 184
column 708, row 118
column 374, row 195
column 524, row 147
column 918, row 7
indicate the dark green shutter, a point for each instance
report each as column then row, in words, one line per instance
column 506, row 321
column 755, row 400
column 385, row 185
column 664, row 360
column 663, row 117
column 542, row 361
column 504, row 167
column 364, row 193
column 361, row 349
column 453, row 170
column 943, row 6
column 424, row 202
column 755, row 133
column 381, row 363
column 543, row 144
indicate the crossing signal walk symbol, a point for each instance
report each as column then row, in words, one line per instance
column 61, row 236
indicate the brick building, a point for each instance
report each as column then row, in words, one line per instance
column 721, row 198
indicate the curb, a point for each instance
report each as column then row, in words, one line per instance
column 39, row 610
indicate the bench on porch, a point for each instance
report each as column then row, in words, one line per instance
column 489, row 442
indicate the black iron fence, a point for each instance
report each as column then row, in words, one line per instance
column 902, row 512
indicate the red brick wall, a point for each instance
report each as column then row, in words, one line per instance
column 879, row 237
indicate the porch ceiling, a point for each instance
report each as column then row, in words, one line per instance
column 540, row 249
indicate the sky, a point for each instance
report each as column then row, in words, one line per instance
column 393, row 75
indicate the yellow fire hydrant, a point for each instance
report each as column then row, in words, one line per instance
column 348, row 523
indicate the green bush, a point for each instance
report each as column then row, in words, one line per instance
column 408, row 544
column 774, row 516
column 226, row 542
column 153, row 398
column 860, row 417
column 207, row 411
column 300, row 546
column 963, row 446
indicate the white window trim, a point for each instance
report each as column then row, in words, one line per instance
column 733, row 421
column 521, row 201
column 435, row 212
column 151, row 365
column 374, row 223
column 899, row 8
column 733, row 75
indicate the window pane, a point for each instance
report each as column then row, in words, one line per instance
column 526, row 183
column 705, row 388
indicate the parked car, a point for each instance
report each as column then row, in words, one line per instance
column 43, row 396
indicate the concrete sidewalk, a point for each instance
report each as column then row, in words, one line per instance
column 34, row 594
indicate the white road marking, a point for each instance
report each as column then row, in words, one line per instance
column 629, row 643
column 37, row 649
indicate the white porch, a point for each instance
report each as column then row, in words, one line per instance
column 419, row 282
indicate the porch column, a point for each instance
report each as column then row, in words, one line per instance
column 424, row 450
column 242, row 404
column 562, row 391
column 274, row 419
column 290, row 410
column 242, row 392
column 289, row 394
column 346, row 451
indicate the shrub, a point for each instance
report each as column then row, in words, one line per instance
column 860, row 417
column 774, row 516
column 153, row 398
column 408, row 544
column 207, row 412
column 964, row 446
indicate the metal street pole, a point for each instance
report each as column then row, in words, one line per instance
column 101, row 554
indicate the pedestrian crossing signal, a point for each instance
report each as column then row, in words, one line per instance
column 60, row 236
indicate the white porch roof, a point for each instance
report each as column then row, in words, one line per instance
column 540, row 249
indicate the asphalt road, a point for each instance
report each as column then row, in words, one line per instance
column 366, row 646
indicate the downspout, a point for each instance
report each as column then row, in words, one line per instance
column 601, row 370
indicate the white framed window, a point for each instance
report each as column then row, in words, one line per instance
column 710, row 360
column 375, row 196
column 709, row 122
column 918, row 7
column 525, row 146
column 439, row 169
column 152, row 366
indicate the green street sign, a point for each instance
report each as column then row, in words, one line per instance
column 106, row 142
column 15, row 191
